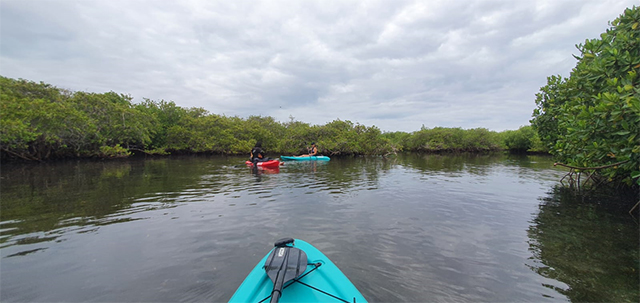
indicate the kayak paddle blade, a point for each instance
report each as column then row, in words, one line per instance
column 284, row 264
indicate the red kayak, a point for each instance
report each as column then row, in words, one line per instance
column 266, row 164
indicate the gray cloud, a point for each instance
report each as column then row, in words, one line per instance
column 394, row 64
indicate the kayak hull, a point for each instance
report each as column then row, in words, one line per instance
column 327, row 277
column 305, row 158
column 266, row 164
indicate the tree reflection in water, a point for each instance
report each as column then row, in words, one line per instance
column 589, row 243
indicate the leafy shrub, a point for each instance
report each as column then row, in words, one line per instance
column 116, row 151
column 592, row 118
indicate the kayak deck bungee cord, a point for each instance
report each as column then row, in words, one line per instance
column 295, row 271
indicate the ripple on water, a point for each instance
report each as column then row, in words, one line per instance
column 433, row 228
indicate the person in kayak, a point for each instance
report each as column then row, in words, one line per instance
column 257, row 154
column 313, row 151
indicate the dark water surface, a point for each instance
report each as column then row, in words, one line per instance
column 407, row 229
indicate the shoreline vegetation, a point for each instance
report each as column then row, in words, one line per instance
column 589, row 121
column 40, row 122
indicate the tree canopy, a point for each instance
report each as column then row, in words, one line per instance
column 39, row 121
column 592, row 118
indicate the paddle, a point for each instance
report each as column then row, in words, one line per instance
column 284, row 264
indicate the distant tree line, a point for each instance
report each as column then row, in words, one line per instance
column 39, row 121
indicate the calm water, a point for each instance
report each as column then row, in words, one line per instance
column 406, row 229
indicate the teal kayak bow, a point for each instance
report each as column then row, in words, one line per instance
column 295, row 271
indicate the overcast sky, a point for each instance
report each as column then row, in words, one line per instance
column 394, row 64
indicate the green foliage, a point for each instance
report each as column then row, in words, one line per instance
column 522, row 140
column 346, row 138
column 451, row 139
column 114, row 119
column 157, row 151
column 397, row 139
column 114, row 151
column 162, row 115
column 593, row 117
column 298, row 137
column 40, row 121
column 549, row 101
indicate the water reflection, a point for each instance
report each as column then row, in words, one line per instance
column 48, row 198
column 591, row 244
column 438, row 163
column 529, row 167
column 408, row 228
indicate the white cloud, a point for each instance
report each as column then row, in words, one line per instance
column 394, row 64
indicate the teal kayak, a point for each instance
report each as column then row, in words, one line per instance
column 305, row 158
column 295, row 271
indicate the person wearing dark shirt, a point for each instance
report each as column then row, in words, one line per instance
column 257, row 154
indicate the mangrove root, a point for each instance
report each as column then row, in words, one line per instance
column 575, row 175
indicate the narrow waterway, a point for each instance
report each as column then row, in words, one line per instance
column 413, row 228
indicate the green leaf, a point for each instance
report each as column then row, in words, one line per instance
column 625, row 125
